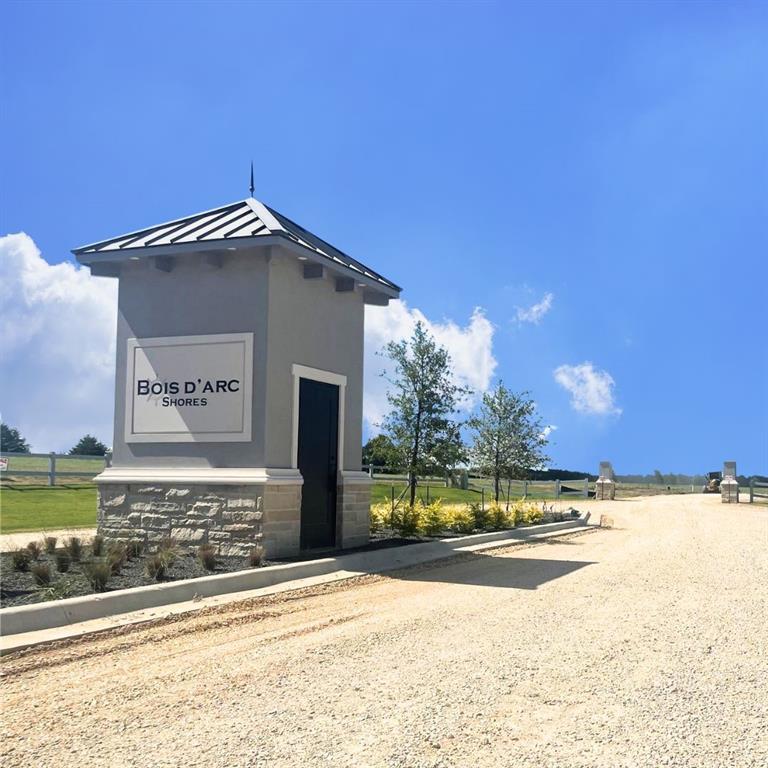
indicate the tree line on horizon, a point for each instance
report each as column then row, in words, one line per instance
column 11, row 441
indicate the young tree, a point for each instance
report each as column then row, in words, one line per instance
column 508, row 436
column 88, row 446
column 11, row 440
column 380, row 451
column 423, row 399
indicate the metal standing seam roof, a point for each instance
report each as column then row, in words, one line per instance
column 243, row 219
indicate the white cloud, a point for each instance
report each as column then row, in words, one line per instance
column 57, row 347
column 470, row 347
column 591, row 389
column 535, row 312
column 548, row 430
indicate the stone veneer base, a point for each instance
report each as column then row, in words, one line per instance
column 605, row 490
column 228, row 516
column 233, row 516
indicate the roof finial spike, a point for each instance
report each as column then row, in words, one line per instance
column 251, row 187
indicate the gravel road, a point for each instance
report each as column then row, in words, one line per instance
column 644, row 645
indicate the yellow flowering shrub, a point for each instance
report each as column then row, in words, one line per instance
column 533, row 515
column 407, row 520
column 380, row 517
column 526, row 513
column 461, row 519
column 432, row 518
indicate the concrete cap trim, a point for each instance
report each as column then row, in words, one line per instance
column 201, row 475
column 353, row 477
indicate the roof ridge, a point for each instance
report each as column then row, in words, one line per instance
column 143, row 230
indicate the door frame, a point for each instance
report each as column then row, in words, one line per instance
column 326, row 377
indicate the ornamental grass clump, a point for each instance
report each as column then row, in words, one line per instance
column 256, row 556
column 41, row 572
column 155, row 567
column 50, row 544
column 20, row 559
column 34, row 549
column 116, row 557
column 167, row 551
column 98, row 573
column 97, row 546
column 63, row 561
column 206, row 554
column 134, row 549
column 74, row 546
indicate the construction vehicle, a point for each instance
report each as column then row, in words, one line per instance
column 712, row 485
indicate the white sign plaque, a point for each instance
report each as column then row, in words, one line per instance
column 185, row 389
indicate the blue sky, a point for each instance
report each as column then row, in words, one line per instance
column 613, row 155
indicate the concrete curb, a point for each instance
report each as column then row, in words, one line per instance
column 64, row 613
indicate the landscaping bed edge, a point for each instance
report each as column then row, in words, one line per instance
column 58, row 613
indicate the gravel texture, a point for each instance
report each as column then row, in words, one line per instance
column 644, row 645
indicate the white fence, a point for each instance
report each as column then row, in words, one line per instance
column 51, row 465
column 753, row 494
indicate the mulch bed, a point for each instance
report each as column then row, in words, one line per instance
column 19, row 588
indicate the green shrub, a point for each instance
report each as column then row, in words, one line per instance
column 98, row 573
column 407, row 520
column 206, row 554
column 432, row 518
column 34, row 549
column 116, row 557
column 20, row 559
column 63, row 561
column 479, row 516
column 256, row 556
column 97, row 546
column 74, row 546
column 499, row 518
column 42, row 574
column 50, row 544
column 155, row 566
column 462, row 520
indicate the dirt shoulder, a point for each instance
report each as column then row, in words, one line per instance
column 638, row 646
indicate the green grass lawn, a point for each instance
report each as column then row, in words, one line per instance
column 35, row 508
column 382, row 492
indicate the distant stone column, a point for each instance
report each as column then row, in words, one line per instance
column 729, row 485
column 605, row 487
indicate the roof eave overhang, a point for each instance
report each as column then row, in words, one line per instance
column 92, row 258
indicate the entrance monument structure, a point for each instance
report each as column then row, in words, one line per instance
column 605, row 487
column 729, row 485
column 239, row 384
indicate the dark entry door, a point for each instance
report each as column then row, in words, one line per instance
column 318, row 445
